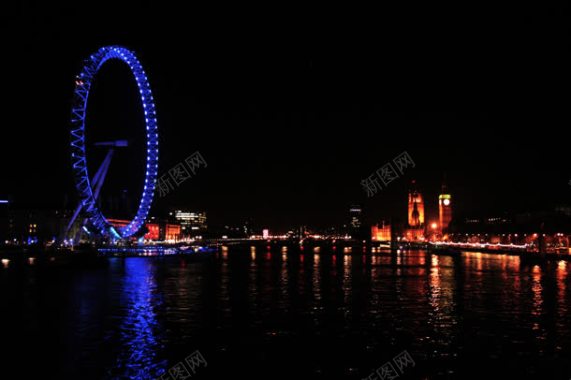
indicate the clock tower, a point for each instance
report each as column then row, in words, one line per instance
column 445, row 208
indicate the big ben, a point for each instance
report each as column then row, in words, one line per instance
column 445, row 208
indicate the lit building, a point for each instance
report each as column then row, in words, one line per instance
column 414, row 234
column 191, row 222
column 415, row 207
column 355, row 214
column 156, row 231
column 415, row 228
column 381, row 232
column 172, row 232
column 153, row 231
column 444, row 209
column 29, row 226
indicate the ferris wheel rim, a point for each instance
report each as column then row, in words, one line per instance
column 78, row 152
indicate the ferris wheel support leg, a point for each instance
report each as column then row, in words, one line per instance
column 97, row 181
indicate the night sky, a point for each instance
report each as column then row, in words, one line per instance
column 292, row 108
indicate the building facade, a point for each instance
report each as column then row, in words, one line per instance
column 192, row 223
column 415, row 207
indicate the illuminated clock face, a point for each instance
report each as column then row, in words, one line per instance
column 446, row 202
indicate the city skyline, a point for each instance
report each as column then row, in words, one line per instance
column 291, row 132
column 421, row 216
column 202, row 190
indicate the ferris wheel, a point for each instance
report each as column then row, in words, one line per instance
column 95, row 223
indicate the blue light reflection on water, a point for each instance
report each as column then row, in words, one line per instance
column 139, row 334
column 319, row 316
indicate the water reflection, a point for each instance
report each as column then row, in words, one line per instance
column 316, row 282
column 563, row 301
column 140, row 332
column 561, row 275
column 346, row 283
column 536, row 290
column 442, row 291
column 332, row 310
column 284, row 279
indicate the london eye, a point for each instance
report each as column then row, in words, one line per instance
column 94, row 222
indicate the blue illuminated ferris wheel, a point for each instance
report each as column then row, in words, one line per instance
column 88, row 189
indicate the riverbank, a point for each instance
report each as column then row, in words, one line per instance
column 539, row 256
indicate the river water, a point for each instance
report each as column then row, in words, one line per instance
column 261, row 314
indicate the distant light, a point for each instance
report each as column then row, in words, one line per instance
column 434, row 226
column 3, row 201
column 446, row 202
column 5, row 263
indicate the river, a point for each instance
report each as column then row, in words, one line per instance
column 258, row 314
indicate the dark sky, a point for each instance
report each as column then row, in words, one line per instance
column 292, row 108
